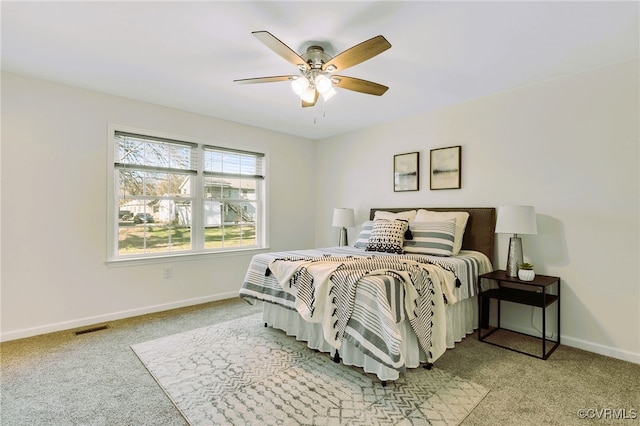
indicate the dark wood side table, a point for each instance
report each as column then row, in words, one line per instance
column 538, row 295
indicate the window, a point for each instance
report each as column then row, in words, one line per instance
column 178, row 197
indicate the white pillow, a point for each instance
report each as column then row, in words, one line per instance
column 408, row 215
column 461, row 223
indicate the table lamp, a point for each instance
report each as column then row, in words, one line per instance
column 343, row 218
column 516, row 220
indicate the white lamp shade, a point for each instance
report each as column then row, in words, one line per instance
column 343, row 218
column 309, row 95
column 299, row 85
column 329, row 94
column 323, row 84
column 516, row 220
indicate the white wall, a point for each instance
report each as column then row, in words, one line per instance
column 54, row 207
column 568, row 146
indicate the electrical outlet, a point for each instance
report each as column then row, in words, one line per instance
column 168, row 272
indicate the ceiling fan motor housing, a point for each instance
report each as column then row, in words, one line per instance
column 315, row 56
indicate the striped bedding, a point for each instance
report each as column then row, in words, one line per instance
column 379, row 302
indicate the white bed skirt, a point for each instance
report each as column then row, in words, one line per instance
column 462, row 319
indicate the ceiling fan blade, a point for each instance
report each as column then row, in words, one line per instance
column 357, row 54
column 310, row 104
column 357, row 85
column 265, row 79
column 280, row 48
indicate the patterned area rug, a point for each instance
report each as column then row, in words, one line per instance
column 242, row 373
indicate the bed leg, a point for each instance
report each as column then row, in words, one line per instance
column 336, row 357
column 384, row 383
column 428, row 365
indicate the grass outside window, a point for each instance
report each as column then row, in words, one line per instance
column 158, row 237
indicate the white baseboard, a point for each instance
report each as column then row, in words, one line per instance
column 600, row 349
column 579, row 344
column 83, row 322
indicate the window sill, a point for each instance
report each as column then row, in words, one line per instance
column 181, row 257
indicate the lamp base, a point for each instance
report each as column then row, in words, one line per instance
column 514, row 258
column 344, row 241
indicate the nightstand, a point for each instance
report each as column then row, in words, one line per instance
column 537, row 293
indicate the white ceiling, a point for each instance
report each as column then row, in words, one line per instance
column 185, row 54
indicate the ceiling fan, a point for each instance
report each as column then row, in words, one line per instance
column 317, row 68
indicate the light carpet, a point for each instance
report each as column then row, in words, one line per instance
column 243, row 373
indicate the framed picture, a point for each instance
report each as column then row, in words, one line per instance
column 445, row 168
column 406, row 172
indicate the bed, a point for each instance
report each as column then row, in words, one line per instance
column 383, row 310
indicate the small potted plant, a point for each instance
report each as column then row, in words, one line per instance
column 526, row 272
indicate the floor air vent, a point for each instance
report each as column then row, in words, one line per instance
column 91, row 330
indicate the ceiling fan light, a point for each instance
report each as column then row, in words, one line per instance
column 329, row 94
column 309, row 95
column 299, row 85
column 323, row 84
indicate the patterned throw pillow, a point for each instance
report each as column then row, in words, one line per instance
column 434, row 238
column 365, row 233
column 461, row 219
column 387, row 236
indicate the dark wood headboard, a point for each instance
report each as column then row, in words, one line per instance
column 480, row 231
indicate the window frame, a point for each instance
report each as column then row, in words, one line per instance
column 197, row 188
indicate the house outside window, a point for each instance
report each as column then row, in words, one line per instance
column 173, row 197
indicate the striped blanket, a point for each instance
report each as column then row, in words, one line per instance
column 361, row 297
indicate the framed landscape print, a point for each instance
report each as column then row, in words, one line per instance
column 406, row 172
column 445, row 168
